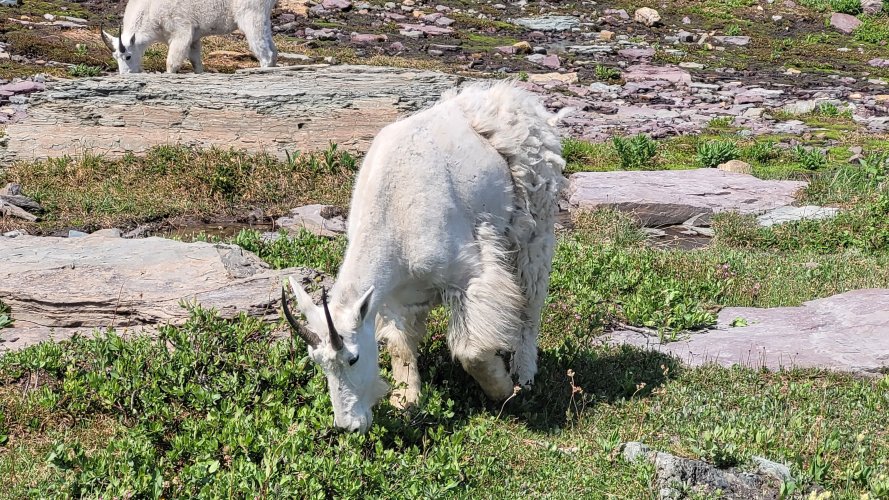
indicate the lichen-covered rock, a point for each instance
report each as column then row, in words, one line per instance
column 101, row 281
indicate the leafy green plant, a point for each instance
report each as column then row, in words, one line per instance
column 876, row 167
column 872, row 30
column 733, row 30
column 761, row 152
column 809, row 159
column 827, row 109
column 719, row 446
column 5, row 315
column 606, row 74
column 84, row 70
column 720, row 123
column 713, row 153
column 635, row 152
column 851, row 7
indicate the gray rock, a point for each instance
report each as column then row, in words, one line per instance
column 647, row 72
column 57, row 286
column 635, row 450
column 774, row 469
column 76, row 234
column 871, row 7
column 548, row 23
column 23, row 87
column 800, row 107
column 782, row 215
column 663, row 198
column 733, row 40
column 846, row 332
column 676, row 475
column 302, row 107
column 336, row 4
column 323, row 220
column 844, row 22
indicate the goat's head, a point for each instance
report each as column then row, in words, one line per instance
column 127, row 60
column 341, row 340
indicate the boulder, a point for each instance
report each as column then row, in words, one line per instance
column 57, row 286
column 871, row 7
column 323, row 220
column 847, row 332
column 297, row 108
column 647, row 16
column 736, row 167
column 669, row 197
column 844, row 22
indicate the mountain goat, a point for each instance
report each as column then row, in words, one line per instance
column 182, row 23
column 456, row 205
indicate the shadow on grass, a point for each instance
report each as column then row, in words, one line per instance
column 603, row 373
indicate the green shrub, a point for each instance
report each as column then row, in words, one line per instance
column 635, row 152
column 606, row 74
column 872, row 30
column 761, row 152
column 84, row 70
column 715, row 153
column 809, row 159
column 5, row 318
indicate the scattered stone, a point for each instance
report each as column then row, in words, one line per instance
column 322, row 220
column 549, row 78
column 368, row 39
column 647, row 16
column 634, row 451
column 606, row 36
column 620, row 13
column 782, row 215
column 844, row 332
column 677, row 475
column 548, row 23
column 636, row 54
column 691, row 65
column 800, row 107
column 879, row 63
column 774, row 469
column 733, row 40
column 646, row 72
column 736, row 167
column 550, row 61
column 664, row 198
column 844, row 22
column 428, row 30
column 522, row 47
column 23, row 87
column 871, row 7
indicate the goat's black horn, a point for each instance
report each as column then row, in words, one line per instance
column 336, row 341
column 304, row 333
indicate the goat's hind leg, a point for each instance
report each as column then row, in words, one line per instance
column 533, row 261
column 176, row 54
column 258, row 31
column 403, row 333
column 486, row 317
column 194, row 55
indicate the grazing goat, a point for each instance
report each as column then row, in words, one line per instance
column 455, row 205
column 182, row 23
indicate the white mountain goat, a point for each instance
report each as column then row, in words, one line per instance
column 455, row 205
column 182, row 23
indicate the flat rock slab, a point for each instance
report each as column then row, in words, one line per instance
column 70, row 284
column 322, row 220
column 274, row 110
column 846, row 332
column 783, row 215
column 668, row 197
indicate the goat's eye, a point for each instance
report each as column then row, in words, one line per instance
column 353, row 360
column 128, row 57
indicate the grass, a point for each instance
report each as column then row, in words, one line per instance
column 228, row 408
column 5, row 317
column 170, row 181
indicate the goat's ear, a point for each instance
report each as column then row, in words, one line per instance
column 303, row 299
column 132, row 41
column 363, row 304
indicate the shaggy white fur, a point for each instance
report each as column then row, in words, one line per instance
column 455, row 204
column 182, row 23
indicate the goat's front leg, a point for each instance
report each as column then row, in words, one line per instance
column 194, row 55
column 179, row 49
column 403, row 335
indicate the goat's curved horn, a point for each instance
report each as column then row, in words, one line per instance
column 105, row 38
column 120, row 39
column 336, row 341
column 304, row 333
